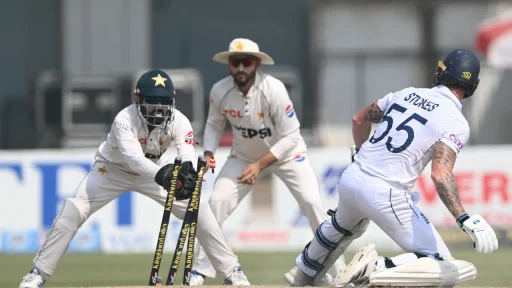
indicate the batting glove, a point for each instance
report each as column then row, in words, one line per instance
column 353, row 152
column 480, row 231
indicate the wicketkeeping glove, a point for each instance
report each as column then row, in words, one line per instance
column 480, row 231
column 185, row 182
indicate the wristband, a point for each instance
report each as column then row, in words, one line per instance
column 461, row 219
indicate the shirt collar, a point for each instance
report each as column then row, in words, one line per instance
column 449, row 94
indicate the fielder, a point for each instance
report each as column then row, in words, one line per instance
column 266, row 140
column 417, row 125
column 132, row 159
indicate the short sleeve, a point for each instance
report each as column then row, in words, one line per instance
column 282, row 111
column 455, row 135
column 385, row 101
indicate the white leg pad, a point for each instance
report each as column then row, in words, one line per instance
column 333, row 256
column 425, row 272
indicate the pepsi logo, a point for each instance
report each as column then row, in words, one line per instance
column 289, row 111
column 299, row 158
column 190, row 135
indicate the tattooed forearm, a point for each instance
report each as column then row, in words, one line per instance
column 373, row 113
column 446, row 187
column 362, row 123
column 444, row 180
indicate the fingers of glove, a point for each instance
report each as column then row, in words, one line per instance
column 479, row 243
column 487, row 243
column 186, row 168
column 471, row 235
column 491, row 239
column 162, row 173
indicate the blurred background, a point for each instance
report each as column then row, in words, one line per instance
column 69, row 66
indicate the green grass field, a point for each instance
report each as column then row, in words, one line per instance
column 86, row 270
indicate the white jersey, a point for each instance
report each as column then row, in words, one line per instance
column 415, row 120
column 135, row 150
column 263, row 120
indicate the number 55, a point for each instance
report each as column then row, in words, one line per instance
column 403, row 126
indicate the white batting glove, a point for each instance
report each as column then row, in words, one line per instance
column 480, row 231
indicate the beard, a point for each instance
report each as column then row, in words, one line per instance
column 242, row 78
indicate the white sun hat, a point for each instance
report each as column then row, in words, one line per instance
column 243, row 46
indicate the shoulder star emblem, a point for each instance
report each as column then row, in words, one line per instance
column 102, row 170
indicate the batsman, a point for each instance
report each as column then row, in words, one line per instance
column 133, row 158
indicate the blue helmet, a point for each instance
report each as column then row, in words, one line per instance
column 154, row 97
column 459, row 69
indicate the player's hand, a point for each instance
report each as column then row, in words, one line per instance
column 164, row 175
column 249, row 174
column 185, row 183
column 353, row 152
column 210, row 161
column 480, row 231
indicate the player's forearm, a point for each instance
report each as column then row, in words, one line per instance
column 134, row 156
column 283, row 147
column 186, row 152
column 267, row 160
column 360, row 132
column 362, row 122
column 212, row 137
column 142, row 165
column 446, row 187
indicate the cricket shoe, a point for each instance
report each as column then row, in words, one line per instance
column 296, row 277
column 237, row 278
column 359, row 269
column 32, row 280
column 197, row 279
column 338, row 267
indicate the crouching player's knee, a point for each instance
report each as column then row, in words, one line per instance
column 73, row 215
column 426, row 271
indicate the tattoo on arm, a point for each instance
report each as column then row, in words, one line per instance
column 373, row 113
column 362, row 125
column 445, row 183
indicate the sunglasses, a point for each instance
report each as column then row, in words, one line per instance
column 246, row 61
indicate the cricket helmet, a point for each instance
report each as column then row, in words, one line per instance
column 154, row 97
column 460, row 69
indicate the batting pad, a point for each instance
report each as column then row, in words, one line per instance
column 345, row 241
column 425, row 272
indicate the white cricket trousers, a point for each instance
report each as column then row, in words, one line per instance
column 393, row 209
column 105, row 183
column 298, row 176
